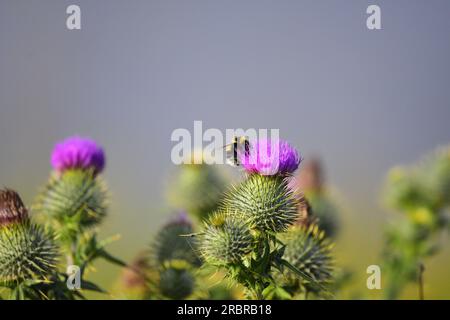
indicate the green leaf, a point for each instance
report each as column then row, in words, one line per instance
column 87, row 285
column 108, row 257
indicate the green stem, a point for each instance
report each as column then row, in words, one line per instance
column 421, row 290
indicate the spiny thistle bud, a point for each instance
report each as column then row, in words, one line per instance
column 170, row 244
column 26, row 252
column 309, row 251
column 176, row 281
column 265, row 202
column 78, row 153
column 12, row 209
column 76, row 196
column 196, row 188
column 226, row 239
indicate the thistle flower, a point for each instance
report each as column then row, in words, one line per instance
column 78, row 153
column 176, row 281
column 266, row 203
column 170, row 245
column 12, row 209
column 308, row 250
column 269, row 157
column 226, row 239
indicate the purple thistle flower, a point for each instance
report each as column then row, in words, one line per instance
column 268, row 158
column 78, row 153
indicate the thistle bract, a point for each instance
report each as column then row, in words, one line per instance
column 26, row 253
column 170, row 244
column 78, row 153
column 309, row 251
column 75, row 197
column 176, row 281
column 226, row 240
column 265, row 202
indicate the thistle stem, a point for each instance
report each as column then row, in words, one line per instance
column 421, row 280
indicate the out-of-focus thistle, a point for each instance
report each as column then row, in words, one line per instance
column 196, row 188
column 244, row 238
column 422, row 194
column 176, row 280
column 170, row 245
column 174, row 258
column 133, row 283
column 28, row 254
column 310, row 181
column 309, row 250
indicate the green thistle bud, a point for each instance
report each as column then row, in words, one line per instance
column 176, row 281
column 309, row 251
column 26, row 252
column 197, row 189
column 12, row 209
column 74, row 196
column 226, row 239
column 266, row 202
column 169, row 243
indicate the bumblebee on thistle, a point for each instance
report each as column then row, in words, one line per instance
column 243, row 236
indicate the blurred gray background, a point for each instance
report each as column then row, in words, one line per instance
column 362, row 100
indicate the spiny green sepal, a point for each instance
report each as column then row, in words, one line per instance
column 308, row 250
column 26, row 253
column 226, row 239
column 75, row 199
column 265, row 202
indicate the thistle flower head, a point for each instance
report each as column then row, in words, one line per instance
column 309, row 251
column 265, row 202
column 26, row 253
column 12, row 209
column 176, row 280
column 271, row 157
column 226, row 239
column 78, row 153
column 170, row 244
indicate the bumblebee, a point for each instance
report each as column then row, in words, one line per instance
column 238, row 147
